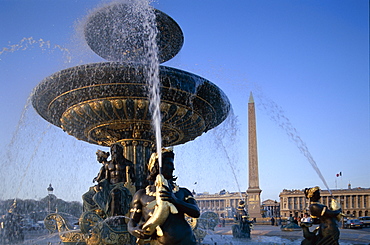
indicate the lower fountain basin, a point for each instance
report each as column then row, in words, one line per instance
column 104, row 103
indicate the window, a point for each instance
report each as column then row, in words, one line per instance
column 353, row 202
column 365, row 201
column 359, row 202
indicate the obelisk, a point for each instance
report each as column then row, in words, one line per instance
column 254, row 191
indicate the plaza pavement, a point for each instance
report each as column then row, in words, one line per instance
column 267, row 234
column 261, row 234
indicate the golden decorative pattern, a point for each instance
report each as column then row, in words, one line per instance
column 111, row 125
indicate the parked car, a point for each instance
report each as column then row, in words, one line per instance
column 365, row 220
column 353, row 223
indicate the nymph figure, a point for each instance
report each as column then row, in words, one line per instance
column 110, row 196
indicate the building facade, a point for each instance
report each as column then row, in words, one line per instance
column 270, row 208
column 355, row 202
column 223, row 203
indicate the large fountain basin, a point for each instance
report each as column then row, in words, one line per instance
column 104, row 103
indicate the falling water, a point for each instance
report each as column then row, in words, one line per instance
column 25, row 44
column 228, row 130
column 35, row 151
column 276, row 114
column 11, row 150
column 10, row 147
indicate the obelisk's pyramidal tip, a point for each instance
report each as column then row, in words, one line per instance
column 251, row 100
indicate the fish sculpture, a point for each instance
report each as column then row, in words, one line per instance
column 161, row 209
column 335, row 205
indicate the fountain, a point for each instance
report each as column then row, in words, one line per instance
column 107, row 104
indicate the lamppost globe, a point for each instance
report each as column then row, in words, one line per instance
column 50, row 189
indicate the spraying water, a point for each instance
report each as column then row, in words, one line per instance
column 152, row 61
column 27, row 42
column 228, row 130
column 276, row 115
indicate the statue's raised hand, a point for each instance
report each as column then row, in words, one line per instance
column 168, row 195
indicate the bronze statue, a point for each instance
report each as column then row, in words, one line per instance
column 110, row 196
column 102, row 157
column 327, row 232
column 243, row 228
column 158, row 211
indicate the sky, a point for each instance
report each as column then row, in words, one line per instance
column 306, row 63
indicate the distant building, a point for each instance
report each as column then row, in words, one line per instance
column 355, row 202
column 223, row 203
column 270, row 208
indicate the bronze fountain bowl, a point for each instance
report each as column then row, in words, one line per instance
column 104, row 103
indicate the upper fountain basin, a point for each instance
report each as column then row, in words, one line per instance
column 120, row 32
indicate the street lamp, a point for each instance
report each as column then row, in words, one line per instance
column 277, row 212
column 50, row 192
column 341, row 199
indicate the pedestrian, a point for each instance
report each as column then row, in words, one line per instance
column 272, row 221
column 306, row 218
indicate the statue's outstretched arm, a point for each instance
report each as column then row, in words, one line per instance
column 320, row 210
column 332, row 213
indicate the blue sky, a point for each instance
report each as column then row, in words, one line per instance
column 306, row 62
